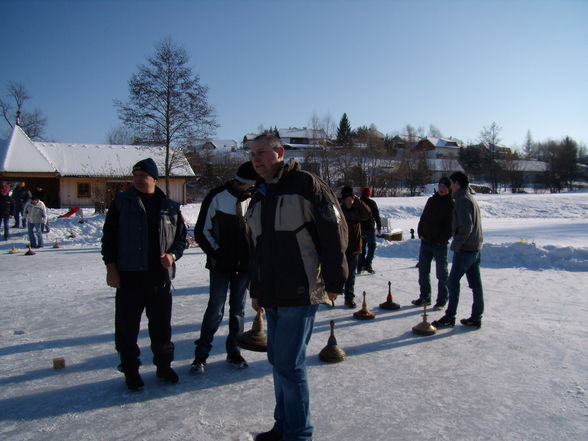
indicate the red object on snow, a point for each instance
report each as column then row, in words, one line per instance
column 71, row 212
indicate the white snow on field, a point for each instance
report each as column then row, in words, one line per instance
column 523, row 376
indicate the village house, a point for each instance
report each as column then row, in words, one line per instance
column 84, row 175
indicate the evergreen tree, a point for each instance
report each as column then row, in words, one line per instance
column 344, row 133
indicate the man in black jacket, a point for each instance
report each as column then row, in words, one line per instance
column 368, row 233
column 6, row 208
column 144, row 234
column 220, row 232
column 434, row 230
column 298, row 236
column 21, row 196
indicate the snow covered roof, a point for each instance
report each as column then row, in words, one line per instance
column 444, row 165
column 219, row 144
column 445, row 142
column 302, row 133
column 20, row 154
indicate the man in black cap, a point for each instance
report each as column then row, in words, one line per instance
column 144, row 234
column 220, row 231
column 434, row 230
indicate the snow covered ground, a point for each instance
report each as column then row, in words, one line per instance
column 523, row 376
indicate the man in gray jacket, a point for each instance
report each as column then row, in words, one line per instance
column 466, row 246
column 298, row 236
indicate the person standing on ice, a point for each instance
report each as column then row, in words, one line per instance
column 434, row 231
column 298, row 237
column 144, row 234
column 21, row 196
column 6, row 209
column 466, row 246
column 220, row 232
column 35, row 214
column 368, row 233
column 355, row 212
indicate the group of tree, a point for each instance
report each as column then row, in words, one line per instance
column 168, row 106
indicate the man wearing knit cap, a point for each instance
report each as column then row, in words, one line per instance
column 434, row 231
column 368, row 233
column 144, row 234
column 220, row 232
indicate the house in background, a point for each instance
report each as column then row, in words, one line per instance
column 439, row 148
column 294, row 138
column 85, row 175
column 217, row 145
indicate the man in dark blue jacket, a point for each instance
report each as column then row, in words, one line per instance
column 220, row 231
column 144, row 234
column 435, row 231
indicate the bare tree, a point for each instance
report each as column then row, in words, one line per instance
column 121, row 135
column 434, row 131
column 33, row 123
column 490, row 136
column 167, row 104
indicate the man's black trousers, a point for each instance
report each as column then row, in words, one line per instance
column 135, row 295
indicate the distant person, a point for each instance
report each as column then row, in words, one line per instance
column 221, row 233
column 143, row 236
column 21, row 195
column 466, row 246
column 368, row 233
column 35, row 213
column 355, row 212
column 434, row 230
column 6, row 208
column 298, row 240
column 41, row 194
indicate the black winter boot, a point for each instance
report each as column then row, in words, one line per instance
column 272, row 435
column 166, row 373
column 134, row 381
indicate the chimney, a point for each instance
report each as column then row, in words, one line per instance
column 18, row 117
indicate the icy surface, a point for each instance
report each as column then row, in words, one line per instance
column 523, row 376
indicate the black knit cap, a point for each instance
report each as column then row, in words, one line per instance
column 346, row 191
column 445, row 181
column 148, row 166
column 246, row 174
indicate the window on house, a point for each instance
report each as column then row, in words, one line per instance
column 84, row 190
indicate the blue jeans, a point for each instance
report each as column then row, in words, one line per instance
column 220, row 283
column 467, row 263
column 429, row 251
column 35, row 235
column 349, row 288
column 289, row 330
column 6, row 221
column 369, row 248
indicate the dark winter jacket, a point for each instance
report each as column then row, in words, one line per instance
column 42, row 195
column 298, row 237
column 21, row 195
column 220, row 229
column 435, row 222
column 125, row 239
column 368, row 225
column 6, row 206
column 355, row 217
column 466, row 223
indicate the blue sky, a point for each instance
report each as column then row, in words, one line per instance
column 459, row 65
